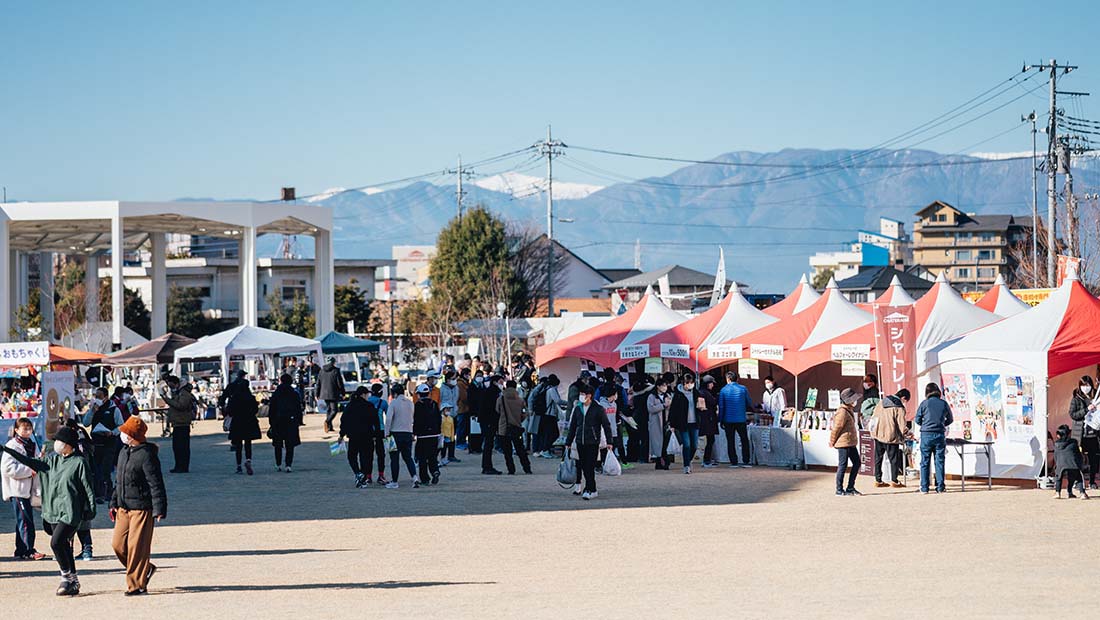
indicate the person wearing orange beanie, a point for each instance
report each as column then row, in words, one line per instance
column 138, row 500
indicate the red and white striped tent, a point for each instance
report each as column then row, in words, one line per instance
column 803, row 296
column 895, row 295
column 1000, row 301
column 618, row 341
column 1045, row 350
column 689, row 343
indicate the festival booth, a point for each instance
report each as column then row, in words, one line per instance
column 246, row 344
column 1011, row 382
column 53, row 397
column 1000, row 301
column 336, row 343
column 140, row 366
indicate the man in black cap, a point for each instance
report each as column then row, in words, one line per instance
column 330, row 388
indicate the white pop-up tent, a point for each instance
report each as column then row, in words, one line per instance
column 1000, row 301
column 1012, row 381
column 245, row 341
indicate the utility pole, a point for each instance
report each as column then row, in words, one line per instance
column 550, row 148
column 1052, row 158
column 1034, row 200
column 460, row 194
column 1064, row 154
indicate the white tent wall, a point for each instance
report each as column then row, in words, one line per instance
column 1011, row 459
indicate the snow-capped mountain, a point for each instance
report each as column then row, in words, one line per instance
column 332, row 191
column 523, row 185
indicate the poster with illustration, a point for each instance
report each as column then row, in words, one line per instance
column 957, row 394
column 1019, row 408
column 988, row 407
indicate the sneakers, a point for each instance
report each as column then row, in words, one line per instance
column 248, row 467
column 288, row 469
column 853, row 493
column 593, row 495
column 392, row 485
column 34, row 555
column 897, row 485
column 278, row 468
column 138, row 592
column 359, row 481
column 70, row 585
column 435, row 478
column 709, row 465
column 85, row 554
column 382, row 480
column 367, row 480
column 239, row 470
column 628, row 465
column 586, row 496
column 444, row 462
column 577, row 490
column 745, row 466
column 416, row 483
column 687, row 469
column 733, row 466
column 454, row 460
column 840, row 493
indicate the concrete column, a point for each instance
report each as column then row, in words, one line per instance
column 117, row 283
column 248, row 307
column 22, row 278
column 91, row 287
column 159, row 285
column 324, row 310
column 45, row 293
column 6, row 288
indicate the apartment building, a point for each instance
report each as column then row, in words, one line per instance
column 972, row 249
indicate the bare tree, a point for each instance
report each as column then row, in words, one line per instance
column 529, row 259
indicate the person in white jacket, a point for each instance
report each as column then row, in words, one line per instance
column 19, row 485
column 774, row 400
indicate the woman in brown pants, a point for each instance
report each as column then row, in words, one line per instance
column 139, row 498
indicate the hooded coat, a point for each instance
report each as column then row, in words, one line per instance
column 330, row 383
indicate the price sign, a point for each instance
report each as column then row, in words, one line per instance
column 634, row 351
column 675, row 351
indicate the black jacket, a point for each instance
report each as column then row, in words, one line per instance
column 1066, row 455
column 708, row 418
column 587, row 432
column 487, row 408
column 678, row 410
column 1078, row 409
column 330, row 383
column 360, row 419
column 140, row 485
column 284, row 412
column 241, row 406
column 427, row 420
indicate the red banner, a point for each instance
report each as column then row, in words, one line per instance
column 896, row 344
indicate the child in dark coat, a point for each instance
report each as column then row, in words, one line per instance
column 1068, row 462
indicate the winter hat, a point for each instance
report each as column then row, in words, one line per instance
column 67, row 435
column 135, row 427
column 848, row 396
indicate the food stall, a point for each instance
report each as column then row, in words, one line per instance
column 42, row 380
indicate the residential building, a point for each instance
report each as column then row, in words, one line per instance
column 891, row 235
column 847, row 263
column 218, row 280
column 972, row 250
column 870, row 282
column 410, row 276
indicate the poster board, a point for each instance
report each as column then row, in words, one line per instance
column 58, row 398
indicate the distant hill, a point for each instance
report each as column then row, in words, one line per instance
column 770, row 219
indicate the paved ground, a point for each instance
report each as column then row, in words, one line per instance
column 719, row 543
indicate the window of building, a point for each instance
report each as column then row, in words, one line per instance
column 985, row 254
column 964, row 236
column 987, row 273
column 986, row 237
column 292, row 288
column 963, row 272
column 204, row 291
column 963, row 255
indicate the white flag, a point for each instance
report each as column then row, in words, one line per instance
column 719, row 279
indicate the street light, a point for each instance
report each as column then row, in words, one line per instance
column 501, row 307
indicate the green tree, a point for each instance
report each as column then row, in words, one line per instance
column 822, row 278
column 27, row 317
column 351, row 305
column 297, row 318
column 471, row 254
column 135, row 314
column 185, row 315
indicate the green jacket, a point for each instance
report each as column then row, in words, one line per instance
column 181, row 407
column 67, row 495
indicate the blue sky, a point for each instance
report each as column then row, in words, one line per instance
column 163, row 100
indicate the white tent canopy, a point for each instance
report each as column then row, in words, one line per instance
column 1000, row 301
column 248, row 342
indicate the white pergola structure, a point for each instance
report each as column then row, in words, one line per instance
column 90, row 228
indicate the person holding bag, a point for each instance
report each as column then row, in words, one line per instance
column 512, row 412
column 586, row 423
column 657, row 405
column 1080, row 407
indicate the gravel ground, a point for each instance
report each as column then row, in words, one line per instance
column 719, row 543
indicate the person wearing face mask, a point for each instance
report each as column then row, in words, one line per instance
column 733, row 405
column 683, row 417
column 657, row 405
column 1080, row 407
column 130, row 402
column 774, row 400
column 707, row 411
column 490, row 420
column 588, row 428
column 181, row 412
column 377, row 399
column 890, row 430
column 67, row 500
column 871, row 399
column 103, row 419
column 139, row 499
column 474, row 396
column 20, row 483
column 448, row 405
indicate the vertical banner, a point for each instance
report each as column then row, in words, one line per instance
column 866, row 453
column 896, row 342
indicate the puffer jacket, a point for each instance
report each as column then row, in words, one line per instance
column 140, row 484
column 18, row 479
column 511, row 409
column 585, row 426
column 360, row 420
column 1067, row 455
column 330, row 383
column 181, row 407
column 843, row 434
column 1078, row 409
column 889, row 421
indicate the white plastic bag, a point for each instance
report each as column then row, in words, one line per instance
column 673, row 445
column 475, row 426
column 611, row 466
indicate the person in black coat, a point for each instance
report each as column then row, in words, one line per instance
column 708, row 419
column 360, row 424
column 589, row 428
column 427, row 428
column 284, row 413
column 138, row 500
column 1079, row 408
column 487, row 417
column 683, row 417
column 241, row 408
column 330, row 388
column 1068, row 463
